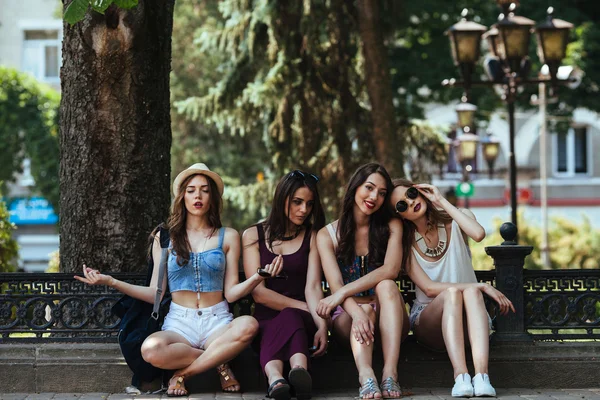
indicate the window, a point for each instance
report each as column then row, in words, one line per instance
column 571, row 152
column 41, row 54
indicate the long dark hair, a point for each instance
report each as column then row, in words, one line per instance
column 276, row 223
column 177, row 219
column 434, row 217
column 379, row 230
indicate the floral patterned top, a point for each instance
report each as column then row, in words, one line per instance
column 359, row 268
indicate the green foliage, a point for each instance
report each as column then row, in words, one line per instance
column 572, row 246
column 289, row 85
column 77, row 9
column 29, row 128
column 54, row 262
column 285, row 82
column 237, row 158
column 8, row 245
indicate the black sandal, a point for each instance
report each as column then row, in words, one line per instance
column 301, row 381
column 281, row 392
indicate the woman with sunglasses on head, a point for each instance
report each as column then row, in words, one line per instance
column 284, row 248
column 361, row 261
column 199, row 332
column 449, row 305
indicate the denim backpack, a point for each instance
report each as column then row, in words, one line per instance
column 140, row 319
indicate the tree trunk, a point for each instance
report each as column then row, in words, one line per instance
column 115, row 136
column 377, row 78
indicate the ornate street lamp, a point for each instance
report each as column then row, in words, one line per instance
column 465, row 40
column 514, row 33
column 552, row 39
column 466, row 145
column 466, row 116
column 491, row 149
column 491, row 37
column 508, row 66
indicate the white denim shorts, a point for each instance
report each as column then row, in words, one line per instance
column 197, row 324
column 415, row 315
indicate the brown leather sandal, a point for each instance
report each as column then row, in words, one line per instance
column 227, row 378
column 177, row 386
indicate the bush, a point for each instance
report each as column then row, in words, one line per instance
column 8, row 245
column 54, row 262
column 572, row 246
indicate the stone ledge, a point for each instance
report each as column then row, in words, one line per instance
column 79, row 367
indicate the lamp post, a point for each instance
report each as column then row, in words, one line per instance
column 508, row 64
column 466, row 144
column 491, row 149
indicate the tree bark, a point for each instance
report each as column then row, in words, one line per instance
column 377, row 78
column 115, row 136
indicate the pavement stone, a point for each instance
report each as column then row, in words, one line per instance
column 94, row 396
column 348, row 394
column 14, row 396
column 67, row 396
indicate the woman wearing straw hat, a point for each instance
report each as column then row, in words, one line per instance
column 199, row 332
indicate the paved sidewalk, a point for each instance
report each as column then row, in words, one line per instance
column 416, row 393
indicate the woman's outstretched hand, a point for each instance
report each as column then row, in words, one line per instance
column 504, row 304
column 430, row 192
column 93, row 277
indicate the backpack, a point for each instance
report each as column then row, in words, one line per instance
column 140, row 319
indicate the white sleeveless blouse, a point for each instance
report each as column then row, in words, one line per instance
column 455, row 266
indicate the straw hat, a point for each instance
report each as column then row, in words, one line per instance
column 198, row 168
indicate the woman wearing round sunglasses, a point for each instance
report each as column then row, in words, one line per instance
column 438, row 261
column 284, row 248
column 361, row 261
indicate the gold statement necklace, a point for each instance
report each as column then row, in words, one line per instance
column 437, row 250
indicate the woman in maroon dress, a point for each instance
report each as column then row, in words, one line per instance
column 286, row 304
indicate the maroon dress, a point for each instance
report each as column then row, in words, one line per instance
column 289, row 331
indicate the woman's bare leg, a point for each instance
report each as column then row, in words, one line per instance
column 478, row 328
column 391, row 327
column 223, row 345
column 363, row 354
column 441, row 325
column 169, row 350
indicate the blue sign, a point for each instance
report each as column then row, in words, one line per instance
column 33, row 211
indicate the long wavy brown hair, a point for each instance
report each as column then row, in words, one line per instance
column 379, row 231
column 276, row 223
column 177, row 219
column 434, row 217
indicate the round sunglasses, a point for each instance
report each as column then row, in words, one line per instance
column 411, row 193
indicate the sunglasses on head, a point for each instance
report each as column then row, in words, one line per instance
column 411, row 193
column 304, row 175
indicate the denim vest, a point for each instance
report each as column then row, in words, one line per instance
column 204, row 272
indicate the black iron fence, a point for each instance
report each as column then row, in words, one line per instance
column 550, row 305
column 558, row 305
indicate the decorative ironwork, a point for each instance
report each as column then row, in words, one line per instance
column 559, row 304
column 562, row 304
column 56, row 307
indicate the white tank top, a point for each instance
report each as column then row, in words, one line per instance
column 455, row 266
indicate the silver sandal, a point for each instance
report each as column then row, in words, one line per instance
column 390, row 385
column 369, row 387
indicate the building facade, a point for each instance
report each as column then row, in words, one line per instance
column 572, row 168
column 30, row 41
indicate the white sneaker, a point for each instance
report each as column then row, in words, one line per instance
column 462, row 386
column 482, row 386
